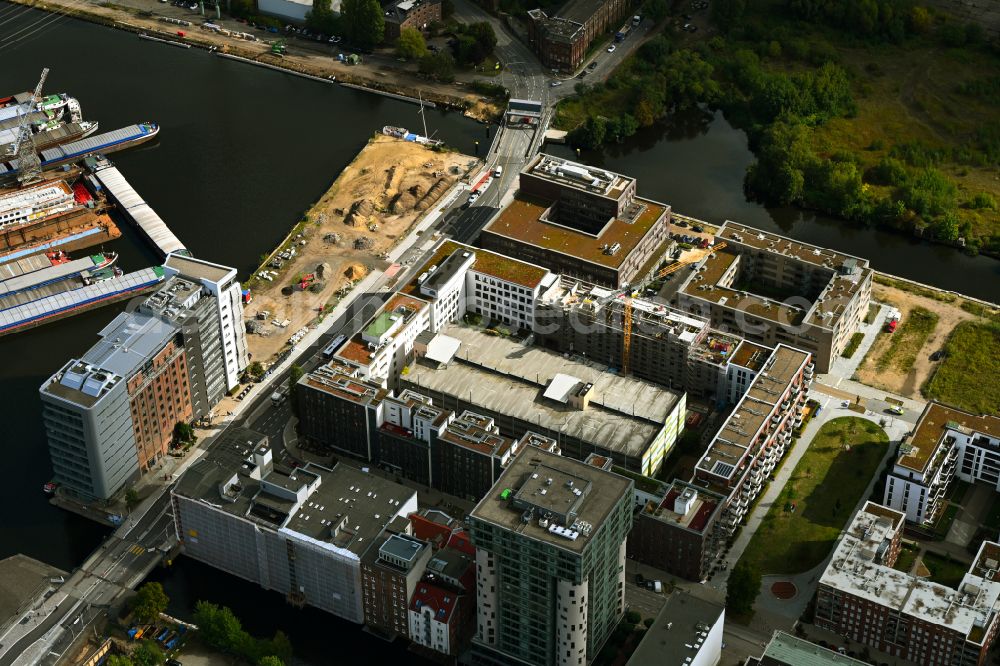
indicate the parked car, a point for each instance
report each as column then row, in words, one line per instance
column 592, row 66
column 938, row 355
column 895, row 409
column 611, row 49
column 680, row 223
column 473, row 197
column 698, row 229
column 555, row 84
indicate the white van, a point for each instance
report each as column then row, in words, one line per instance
column 498, row 172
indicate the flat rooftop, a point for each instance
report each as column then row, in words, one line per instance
column 331, row 379
column 521, row 221
column 767, row 241
column 198, row 269
column 750, row 355
column 486, row 262
column 357, row 350
column 787, row 650
column 571, row 174
column 543, row 483
column 738, row 432
column 507, row 377
column 705, row 505
column 857, row 569
column 650, row 318
column 937, row 419
column 679, row 631
column 471, row 431
column 343, row 506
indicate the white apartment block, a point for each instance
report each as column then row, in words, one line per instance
column 946, row 443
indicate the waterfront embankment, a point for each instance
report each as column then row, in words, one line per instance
column 301, row 59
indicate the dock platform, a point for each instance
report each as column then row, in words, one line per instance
column 138, row 211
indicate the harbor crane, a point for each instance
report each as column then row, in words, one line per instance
column 29, row 166
column 625, row 294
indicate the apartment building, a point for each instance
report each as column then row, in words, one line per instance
column 862, row 597
column 469, row 456
column 221, row 284
column 675, row 529
column 385, row 344
column 947, row 443
column 338, row 411
column 563, row 39
column 442, row 610
column 583, row 222
column 774, row 290
column 300, row 532
column 550, row 555
column 110, row 415
column 460, row 279
column 408, row 428
column 756, row 434
column 666, row 346
column 574, row 401
column 416, row 14
column 390, row 572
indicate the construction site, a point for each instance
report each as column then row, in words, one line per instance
column 348, row 233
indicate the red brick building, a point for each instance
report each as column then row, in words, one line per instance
column 862, row 597
column 160, row 398
column 562, row 40
column 417, row 14
column 390, row 571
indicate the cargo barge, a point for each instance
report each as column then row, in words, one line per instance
column 86, row 297
column 109, row 142
column 61, row 274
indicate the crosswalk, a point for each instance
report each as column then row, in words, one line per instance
column 137, row 550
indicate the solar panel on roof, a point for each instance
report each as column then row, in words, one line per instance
column 722, row 469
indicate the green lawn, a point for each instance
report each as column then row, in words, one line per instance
column 944, row 570
column 908, row 340
column 825, row 487
column 907, row 556
column 853, row 345
column 967, row 377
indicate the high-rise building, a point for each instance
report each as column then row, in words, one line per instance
column 390, row 571
column 550, row 554
column 110, row 414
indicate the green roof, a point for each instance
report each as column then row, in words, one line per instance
column 379, row 325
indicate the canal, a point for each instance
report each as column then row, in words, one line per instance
column 242, row 152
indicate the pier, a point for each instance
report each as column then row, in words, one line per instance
column 138, row 211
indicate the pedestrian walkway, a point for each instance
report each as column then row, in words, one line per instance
column 846, row 367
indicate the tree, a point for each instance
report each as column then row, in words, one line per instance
column 218, row 626
column 689, row 80
column 147, row 654
column 411, row 44
column 920, row 20
column 363, row 22
column 270, row 660
column 256, row 370
column 131, row 498
column 633, row 617
column 656, row 10
column 149, row 601
column 447, row 8
column 184, row 433
column 119, row 660
column 475, row 43
column 742, row 588
column 439, row 66
column 727, row 14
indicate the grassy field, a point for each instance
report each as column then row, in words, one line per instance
column 967, row 377
column 908, row 341
column 943, row 569
column 852, row 346
column 824, row 487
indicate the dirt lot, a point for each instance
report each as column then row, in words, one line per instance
column 371, row 205
column 909, row 383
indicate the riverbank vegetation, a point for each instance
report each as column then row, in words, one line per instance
column 966, row 378
column 219, row 628
column 875, row 111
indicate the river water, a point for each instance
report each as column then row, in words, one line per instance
column 242, row 153
column 696, row 164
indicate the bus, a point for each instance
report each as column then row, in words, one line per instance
column 329, row 350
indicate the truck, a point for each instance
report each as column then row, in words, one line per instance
column 279, row 397
column 623, row 32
